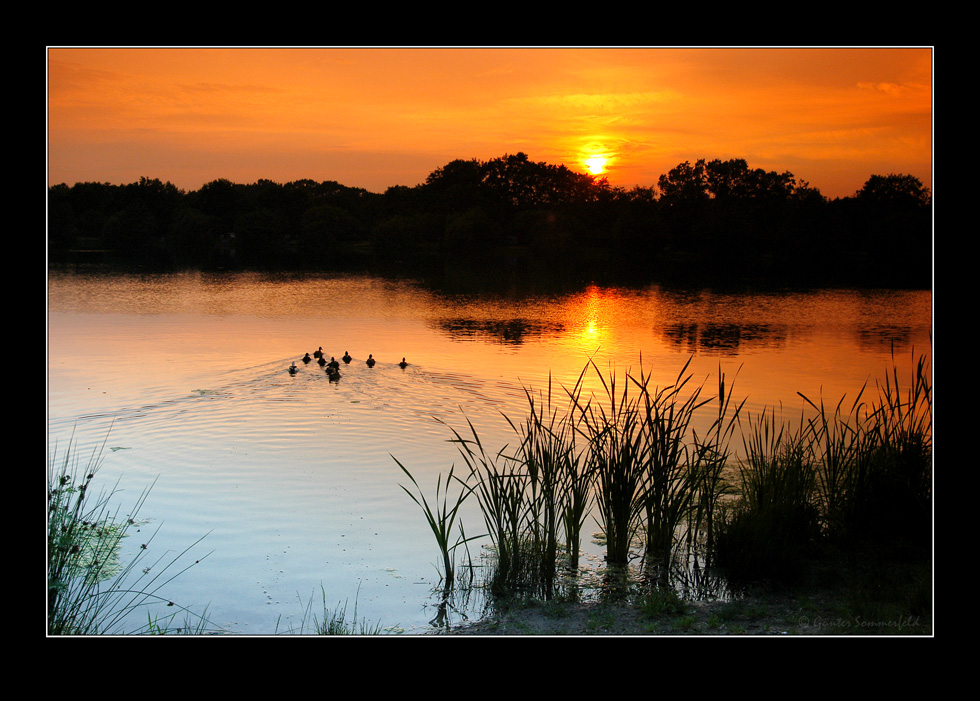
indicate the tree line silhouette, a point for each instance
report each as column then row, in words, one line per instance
column 714, row 219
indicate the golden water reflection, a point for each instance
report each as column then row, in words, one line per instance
column 780, row 343
column 821, row 343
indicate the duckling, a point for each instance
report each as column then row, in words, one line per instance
column 371, row 361
column 403, row 364
column 318, row 353
column 307, row 358
column 293, row 368
column 347, row 358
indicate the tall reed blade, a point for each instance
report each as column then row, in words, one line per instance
column 441, row 519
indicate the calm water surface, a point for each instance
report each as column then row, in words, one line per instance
column 292, row 477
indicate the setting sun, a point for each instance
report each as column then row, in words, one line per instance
column 596, row 164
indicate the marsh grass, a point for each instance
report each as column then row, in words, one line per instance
column 560, row 483
column 334, row 621
column 615, row 453
column 653, row 473
column 875, row 465
column 680, row 498
column 772, row 527
column 893, row 494
column 546, row 450
column 711, row 455
column 847, row 449
column 631, row 451
column 670, row 485
column 852, row 482
column 534, row 498
column 660, row 601
column 509, row 495
column 90, row 590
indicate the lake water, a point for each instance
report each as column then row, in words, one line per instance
column 291, row 477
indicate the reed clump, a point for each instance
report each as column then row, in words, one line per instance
column 631, row 453
column 771, row 528
column 631, row 456
column 652, row 472
column 517, row 499
column 615, row 457
column 847, row 481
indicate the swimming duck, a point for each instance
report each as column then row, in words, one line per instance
column 347, row 357
column 333, row 363
column 370, row 361
column 307, row 358
column 318, row 353
column 322, row 361
column 293, row 368
column 333, row 373
column 403, row 364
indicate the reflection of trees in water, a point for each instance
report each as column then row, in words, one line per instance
column 721, row 337
column 508, row 331
column 883, row 336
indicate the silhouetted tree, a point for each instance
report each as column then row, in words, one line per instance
column 193, row 238
column 734, row 179
column 891, row 225
column 328, row 224
column 684, row 185
column 62, row 223
column 135, row 233
column 470, row 234
column 221, row 199
column 901, row 190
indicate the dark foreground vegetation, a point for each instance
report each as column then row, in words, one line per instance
column 714, row 220
column 836, row 508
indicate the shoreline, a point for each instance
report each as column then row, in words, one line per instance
column 820, row 614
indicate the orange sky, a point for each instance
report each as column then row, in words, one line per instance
column 379, row 117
